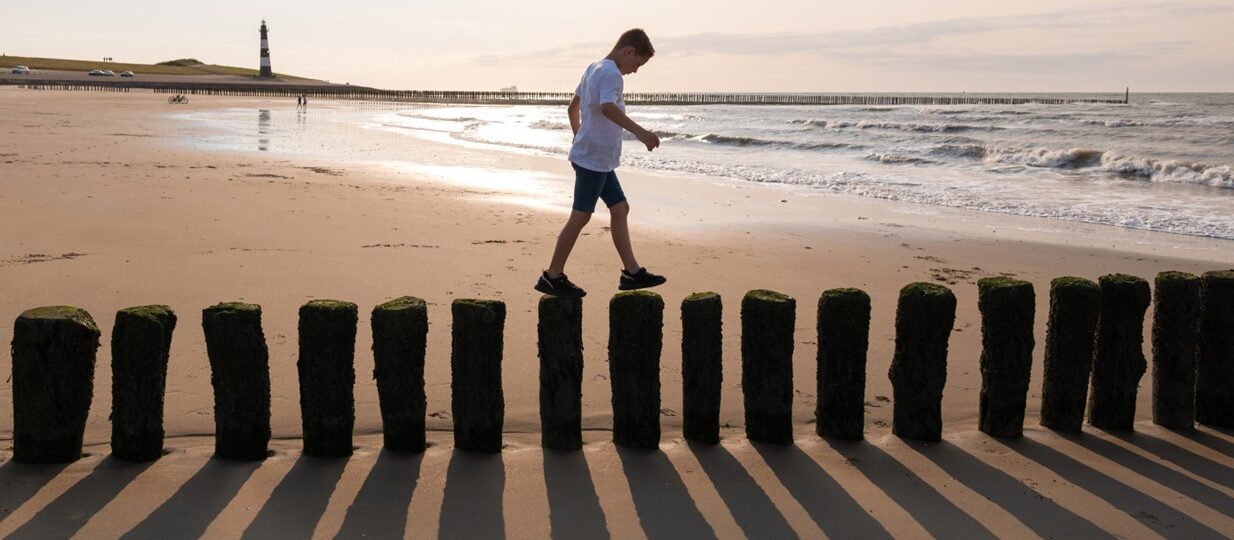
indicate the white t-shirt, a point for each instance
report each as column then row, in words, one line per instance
column 597, row 146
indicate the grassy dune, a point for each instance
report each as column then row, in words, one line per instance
column 7, row 62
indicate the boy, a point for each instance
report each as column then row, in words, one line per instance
column 597, row 117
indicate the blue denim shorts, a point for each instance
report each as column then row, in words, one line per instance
column 590, row 185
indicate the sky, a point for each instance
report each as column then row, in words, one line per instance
column 762, row 46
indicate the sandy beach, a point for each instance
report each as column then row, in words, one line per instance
column 107, row 202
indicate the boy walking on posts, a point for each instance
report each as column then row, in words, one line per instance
column 597, row 117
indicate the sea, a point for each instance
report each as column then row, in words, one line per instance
column 1162, row 162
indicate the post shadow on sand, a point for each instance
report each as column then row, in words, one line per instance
column 1217, row 444
column 66, row 515
column 828, row 504
column 297, row 503
column 1155, row 471
column 380, row 508
column 1160, row 517
column 1041, row 514
column 664, row 506
column 20, row 481
column 573, row 506
column 935, row 513
column 188, row 512
column 749, row 505
column 472, row 503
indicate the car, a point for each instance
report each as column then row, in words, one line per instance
column 109, row 73
column 96, row 73
column 21, row 70
column 127, row 74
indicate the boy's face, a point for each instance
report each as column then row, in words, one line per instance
column 628, row 61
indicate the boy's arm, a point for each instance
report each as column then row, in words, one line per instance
column 614, row 113
column 573, row 112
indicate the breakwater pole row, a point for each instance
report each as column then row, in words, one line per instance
column 290, row 89
column 1094, row 328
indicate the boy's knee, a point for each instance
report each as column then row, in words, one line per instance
column 579, row 218
column 620, row 209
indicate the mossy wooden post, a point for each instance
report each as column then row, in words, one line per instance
column 1176, row 314
column 702, row 366
column 1214, row 398
column 1118, row 361
column 1007, row 308
column 767, row 322
column 140, row 345
column 1075, row 304
column 240, row 376
column 635, row 338
column 53, row 382
column 843, row 340
column 925, row 315
column 476, row 398
column 560, row 332
column 327, row 376
column 400, row 332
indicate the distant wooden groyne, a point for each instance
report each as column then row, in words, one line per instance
column 546, row 98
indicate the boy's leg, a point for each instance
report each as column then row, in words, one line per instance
column 621, row 235
column 565, row 241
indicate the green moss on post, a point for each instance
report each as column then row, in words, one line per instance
column 140, row 345
column 843, row 340
column 327, row 376
column 1007, row 308
column 767, row 322
column 560, row 332
column 400, row 332
column 925, row 315
column 702, row 369
column 635, row 337
column 240, row 376
column 476, row 397
column 1214, row 397
column 53, row 383
column 1075, row 304
column 1176, row 315
column 1118, row 362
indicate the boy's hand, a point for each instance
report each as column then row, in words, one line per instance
column 651, row 140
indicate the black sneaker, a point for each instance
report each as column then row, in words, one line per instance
column 558, row 286
column 639, row 280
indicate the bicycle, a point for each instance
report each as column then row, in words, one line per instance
column 178, row 99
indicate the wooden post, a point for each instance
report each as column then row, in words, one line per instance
column 702, row 365
column 140, row 346
column 1176, row 317
column 53, row 382
column 476, row 396
column 767, row 322
column 1007, row 308
column 1118, row 362
column 1075, row 304
column 240, row 376
column 560, row 332
column 925, row 315
column 1214, row 399
column 327, row 376
column 400, row 332
column 635, row 337
column 843, row 340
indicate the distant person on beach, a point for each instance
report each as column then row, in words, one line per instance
column 597, row 117
column 299, row 102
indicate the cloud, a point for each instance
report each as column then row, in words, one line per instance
column 889, row 41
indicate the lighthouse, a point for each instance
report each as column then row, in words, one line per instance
column 265, row 52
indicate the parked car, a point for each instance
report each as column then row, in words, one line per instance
column 127, row 74
column 109, row 73
column 21, row 70
column 97, row 73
